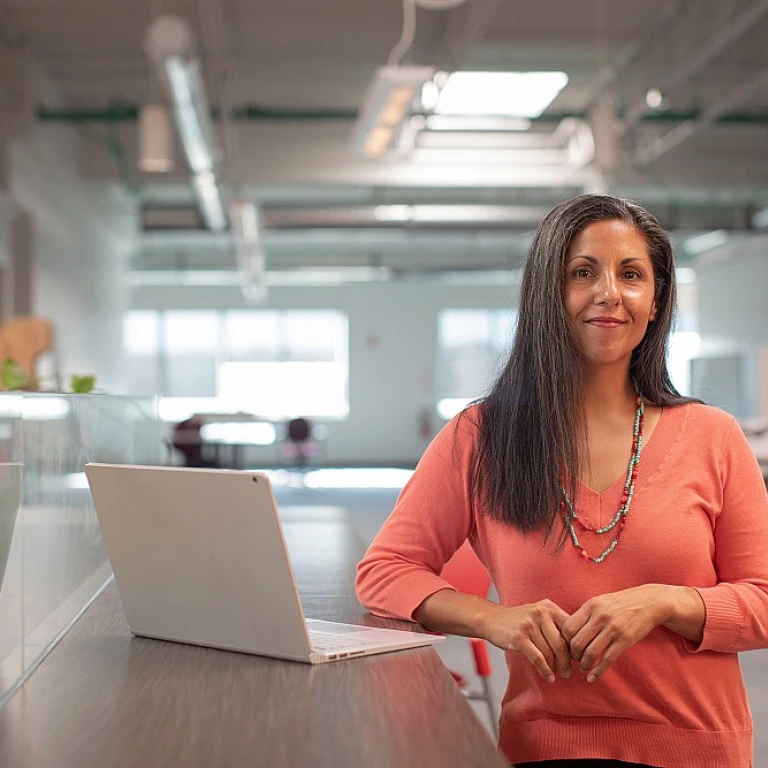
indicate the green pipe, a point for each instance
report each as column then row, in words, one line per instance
column 130, row 113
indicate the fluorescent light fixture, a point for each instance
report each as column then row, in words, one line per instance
column 319, row 276
column 246, row 233
column 192, row 277
column 516, row 94
column 439, row 5
column 190, row 109
column 170, row 44
column 386, row 104
column 430, row 95
column 393, row 212
column 208, row 194
column 457, row 123
column 495, row 277
column 509, row 158
column 515, row 214
column 706, row 242
column 155, row 140
column 489, row 140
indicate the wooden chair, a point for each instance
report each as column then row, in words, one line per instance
column 25, row 339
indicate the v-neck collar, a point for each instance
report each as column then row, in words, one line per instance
column 652, row 457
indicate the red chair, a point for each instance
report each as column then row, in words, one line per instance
column 465, row 572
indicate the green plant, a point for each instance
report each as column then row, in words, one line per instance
column 14, row 377
column 82, row 385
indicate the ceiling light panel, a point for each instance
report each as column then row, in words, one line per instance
column 386, row 105
column 514, row 94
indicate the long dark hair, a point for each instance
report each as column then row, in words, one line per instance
column 531, row 426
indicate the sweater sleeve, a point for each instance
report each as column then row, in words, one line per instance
column 737, row 607
column 430, row 521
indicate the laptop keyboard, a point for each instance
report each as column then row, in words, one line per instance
column 328, row 641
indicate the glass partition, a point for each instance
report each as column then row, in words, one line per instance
column 56, row 560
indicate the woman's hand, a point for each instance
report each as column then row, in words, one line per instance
column 535, row 631
column 607, row 625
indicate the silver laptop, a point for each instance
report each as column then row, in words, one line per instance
column 199, row 557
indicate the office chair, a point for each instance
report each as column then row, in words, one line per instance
column 299, row 445
column 465, row 572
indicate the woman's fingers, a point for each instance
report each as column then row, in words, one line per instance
column 533, row 653
column 609, row 657
column 559, row 647
column 583, row 639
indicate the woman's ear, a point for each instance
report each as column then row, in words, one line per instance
column 654, row 312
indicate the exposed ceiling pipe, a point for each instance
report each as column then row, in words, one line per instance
column 685, row 130
column 244, row 215
column 698, row 63
column 130, row 114
column 608, row 75
column 170, row 44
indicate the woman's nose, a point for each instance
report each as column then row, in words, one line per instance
column 607, row 290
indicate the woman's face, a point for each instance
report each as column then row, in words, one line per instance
column 609, row 290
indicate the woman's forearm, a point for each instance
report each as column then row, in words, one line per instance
column 686, row 613
column 455, row 613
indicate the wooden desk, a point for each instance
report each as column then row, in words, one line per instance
column 104, row 698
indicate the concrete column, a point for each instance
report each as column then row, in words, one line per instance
column 22, row 263
column 16, row 227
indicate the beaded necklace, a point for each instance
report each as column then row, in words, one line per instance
column 569, row 513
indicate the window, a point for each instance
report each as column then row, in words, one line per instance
column 470, row 346
column 191, row 341
column 274, row 363
column 684, row 341
column 141, row 342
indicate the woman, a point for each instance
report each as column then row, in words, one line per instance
column 623, row 602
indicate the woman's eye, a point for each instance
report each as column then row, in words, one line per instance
column 581, row 272
column 630, row 274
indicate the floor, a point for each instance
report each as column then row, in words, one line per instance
column 368, row 509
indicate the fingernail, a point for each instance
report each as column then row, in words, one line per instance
column 566, row 673
column 551, row 679
column 591, row 679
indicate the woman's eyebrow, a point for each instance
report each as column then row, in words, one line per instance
column 593, row 260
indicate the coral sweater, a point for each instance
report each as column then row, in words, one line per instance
column 699, row 518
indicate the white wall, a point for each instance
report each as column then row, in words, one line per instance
column 81, row 241
column 393, row 341
column 733, row 310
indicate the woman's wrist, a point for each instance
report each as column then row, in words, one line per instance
column 683, row 612
column 486, row 619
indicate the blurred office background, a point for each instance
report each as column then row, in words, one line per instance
column 266, row 211
column 342, row 241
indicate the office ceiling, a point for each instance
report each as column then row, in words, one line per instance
column 296, row 71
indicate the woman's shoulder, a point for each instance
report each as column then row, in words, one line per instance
column 703, row 421
column 464, row 427
column 467, row 423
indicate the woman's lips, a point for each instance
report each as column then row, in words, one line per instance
column 605, row 322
